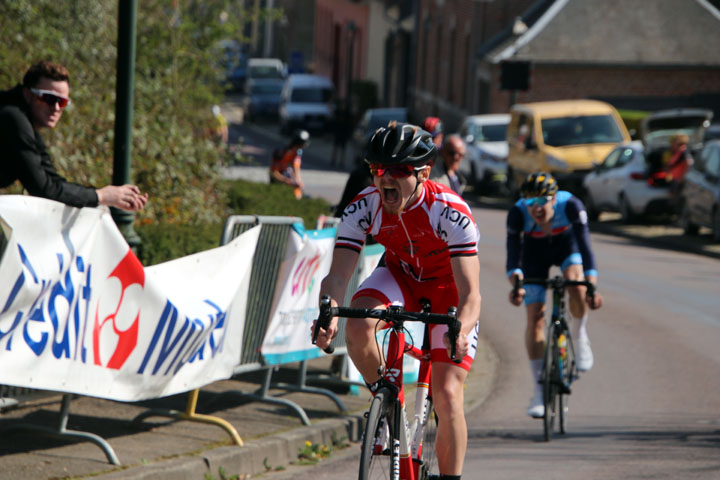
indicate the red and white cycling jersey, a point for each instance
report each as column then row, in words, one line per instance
column 421, row 239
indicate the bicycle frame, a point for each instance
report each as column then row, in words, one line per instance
column 408, row 442
column 557, row 375
column 407, row 438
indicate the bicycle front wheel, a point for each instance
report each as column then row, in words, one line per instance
column 429, row 457
column 549, row 379
column 569, row 373
column 376, row 455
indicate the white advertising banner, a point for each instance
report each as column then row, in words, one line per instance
column 80, row 314
column 295, row 306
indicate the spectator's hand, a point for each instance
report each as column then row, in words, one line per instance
column 124, row 197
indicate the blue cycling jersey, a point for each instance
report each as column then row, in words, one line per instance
column 532, row 252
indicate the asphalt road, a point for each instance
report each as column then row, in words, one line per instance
column 650, row 408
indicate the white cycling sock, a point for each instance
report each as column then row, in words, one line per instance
column 579, row 327
column 536, row 365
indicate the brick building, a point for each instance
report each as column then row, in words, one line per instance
column 636, row 54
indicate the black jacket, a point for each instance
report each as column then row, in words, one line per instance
column 23, row 157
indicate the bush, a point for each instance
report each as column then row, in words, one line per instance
column 166, row 241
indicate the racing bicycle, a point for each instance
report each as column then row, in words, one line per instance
column 394, row 447
column 559, row 368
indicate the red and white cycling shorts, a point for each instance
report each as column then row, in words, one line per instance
column 400, row 289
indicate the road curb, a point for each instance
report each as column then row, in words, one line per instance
column 257, row 457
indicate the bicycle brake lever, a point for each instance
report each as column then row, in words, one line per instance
column 453, row 334
column 323, row 321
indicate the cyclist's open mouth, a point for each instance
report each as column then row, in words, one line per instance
column 391, row 196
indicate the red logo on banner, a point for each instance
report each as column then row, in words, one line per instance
column 130, row 272
column 304, row 273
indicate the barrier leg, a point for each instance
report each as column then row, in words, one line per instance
column 263, row 396
column 63, row 432
column 302, row 387
column 341, row 380
column 190, row 415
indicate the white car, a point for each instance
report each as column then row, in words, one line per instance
column 621, row 183
column 307, row 102
column 485, row 163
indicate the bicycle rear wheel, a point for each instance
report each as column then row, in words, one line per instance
column 376, row 456
column 549, row 379
column 429, row 456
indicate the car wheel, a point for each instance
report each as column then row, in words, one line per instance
column 592, row 211
column 716, row 225
column 628, row 216
column 687, row 225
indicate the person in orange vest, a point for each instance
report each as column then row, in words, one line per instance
column 678, row 162
column 434, row 126
column 286, row 162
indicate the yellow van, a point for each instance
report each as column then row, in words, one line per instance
column 564, row 137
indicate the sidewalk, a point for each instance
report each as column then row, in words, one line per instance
column 168, row 449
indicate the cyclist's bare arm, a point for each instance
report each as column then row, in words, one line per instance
column 335, row 285
column 466, row 271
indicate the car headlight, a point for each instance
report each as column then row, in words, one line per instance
column 556, row 162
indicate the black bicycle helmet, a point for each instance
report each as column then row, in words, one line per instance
column 300, row 137
column 400, row 143
column 539, row 184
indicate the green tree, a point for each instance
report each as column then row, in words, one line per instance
column 176, row 84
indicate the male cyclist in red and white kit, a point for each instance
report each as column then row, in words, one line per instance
column 430, row 241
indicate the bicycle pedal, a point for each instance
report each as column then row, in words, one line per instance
column 565, row 389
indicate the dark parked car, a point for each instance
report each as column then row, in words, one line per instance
column 263, row 97
column 701, row 193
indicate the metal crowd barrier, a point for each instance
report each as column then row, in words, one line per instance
column 11, row 396
column 269, row 255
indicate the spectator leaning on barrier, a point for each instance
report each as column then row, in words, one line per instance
column 35, row 104
column 446, row 169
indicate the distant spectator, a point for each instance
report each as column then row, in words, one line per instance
column 359, row 179
column 434, row 127
column 342, row 131
column 219, row 127
column 446, row 169
column 26, row 109
column 285, row 163
column 677, row 161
